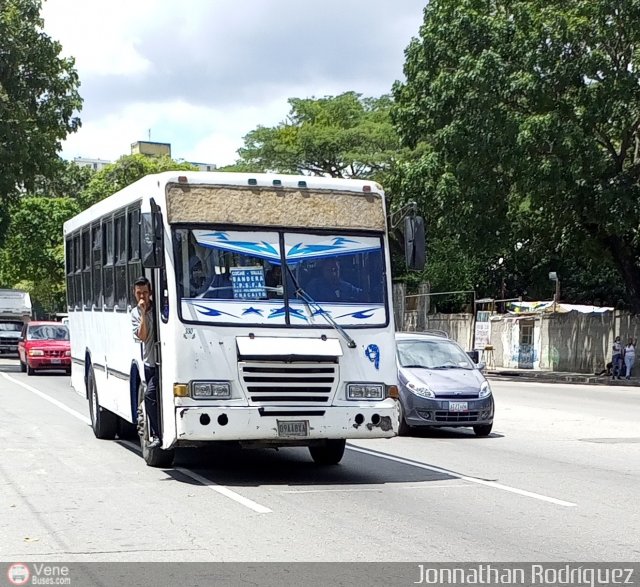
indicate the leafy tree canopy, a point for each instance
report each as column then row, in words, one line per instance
column 38, row 99
column 123, row 172
column 525, row 116
column 336, row 136
column 67, row 180
column 33, row 254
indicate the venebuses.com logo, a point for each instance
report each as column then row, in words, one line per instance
column 38, row 574
column 18, row 574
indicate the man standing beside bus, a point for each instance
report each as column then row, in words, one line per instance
column 144, row 328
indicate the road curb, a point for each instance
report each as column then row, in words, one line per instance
column 576, row 379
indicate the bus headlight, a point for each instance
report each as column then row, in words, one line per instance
column 360, row 391
column 210, row 389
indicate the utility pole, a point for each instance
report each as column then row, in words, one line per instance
column 553, row 276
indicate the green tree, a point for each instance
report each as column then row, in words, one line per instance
column 336, row 136
column 38, row 99
column 345, row 136
column 33, row 254
column 67, row 180
column 124, row 172
column 526, row 115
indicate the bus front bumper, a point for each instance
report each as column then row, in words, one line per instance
column 253, row 423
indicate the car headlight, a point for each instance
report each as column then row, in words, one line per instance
column 360, row 391
column 485, row 390
column 36, row 353
column 210, row 389
column 67, row 353
column 420, row 389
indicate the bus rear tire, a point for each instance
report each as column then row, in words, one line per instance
column 330, row 453
column 154, row 457
column 103, row 422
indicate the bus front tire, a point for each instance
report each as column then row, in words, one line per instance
column 154, row 457
column 103, row 422
column 330, row 453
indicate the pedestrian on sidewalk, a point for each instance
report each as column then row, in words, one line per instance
column 630, row 356
column 616, row 358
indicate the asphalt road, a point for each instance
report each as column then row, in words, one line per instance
column 557, row 480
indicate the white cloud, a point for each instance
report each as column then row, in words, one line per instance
column 102, row 41
column 202, row 74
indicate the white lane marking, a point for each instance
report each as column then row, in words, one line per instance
column 432, row 486
column 222, row 490
column 210, row 484
column 466, row 478
column 48, row 398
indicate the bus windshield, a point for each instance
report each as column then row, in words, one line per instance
column 238, row 277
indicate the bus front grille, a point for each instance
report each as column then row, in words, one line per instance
column 272, row 384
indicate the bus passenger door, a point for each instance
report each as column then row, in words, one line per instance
column 152, row 254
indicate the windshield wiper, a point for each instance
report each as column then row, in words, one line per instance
column 311, row 302
column 415, row 367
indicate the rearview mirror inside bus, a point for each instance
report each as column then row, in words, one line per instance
column 414, row 242
column 151, row 240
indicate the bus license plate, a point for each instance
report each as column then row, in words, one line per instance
column 458, row 406
column 293, row 428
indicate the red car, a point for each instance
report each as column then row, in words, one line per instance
column 44, row 345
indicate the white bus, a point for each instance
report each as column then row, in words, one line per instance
column 272, row 298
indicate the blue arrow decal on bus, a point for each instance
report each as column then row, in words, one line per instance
column 212, row 311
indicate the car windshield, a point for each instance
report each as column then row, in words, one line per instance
column 432, row 354
column 10, row 326
column 47, row 332
column 238, row 277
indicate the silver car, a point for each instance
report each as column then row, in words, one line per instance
column 440, row 385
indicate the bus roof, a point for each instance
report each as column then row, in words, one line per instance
column 156, row 185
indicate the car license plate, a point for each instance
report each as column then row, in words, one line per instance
column 293, row 427
column 55, row 361
column 458, row 406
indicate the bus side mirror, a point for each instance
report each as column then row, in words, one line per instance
column 151, row 242
column 414, row 242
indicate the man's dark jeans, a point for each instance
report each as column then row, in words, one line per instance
column 151, row 398
column 616, row 368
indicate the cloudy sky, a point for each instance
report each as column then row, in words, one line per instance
column 200, row 74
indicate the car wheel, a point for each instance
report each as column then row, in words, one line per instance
column 30, row 370
column 483, row 429
column 103, row 422
column 403, row 428
column 330, row 453
column 154, row 457
column 23, row 367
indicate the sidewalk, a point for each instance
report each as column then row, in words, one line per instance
column 557, row 377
